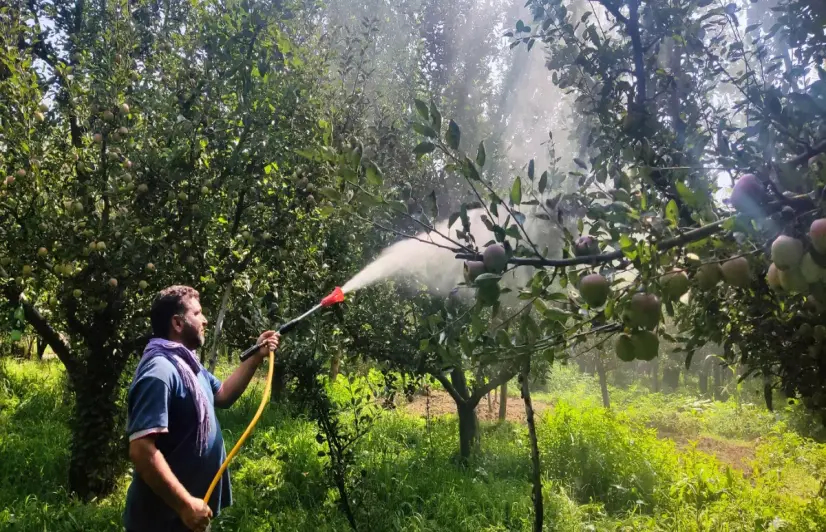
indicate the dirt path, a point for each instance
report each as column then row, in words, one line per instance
column 734, row 453
column 441, row 403
column 737, row 454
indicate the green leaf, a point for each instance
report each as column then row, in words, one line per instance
column 629, row 248
column 423, row 149
column 480, row 154
column 516, row 191
column 543, row 181
column 436, row 117
column 488, row 277
column 307, row 154
column 554, row 314
column 580, row 163
column 685, row 193
column 671, row 212
column 16, row 335
column 330, row 193
column 373, row 172
column 453, row 135
column 470, row 171
column 531, row 170
column 452, row 219
column 421, row 107
column 427, row 131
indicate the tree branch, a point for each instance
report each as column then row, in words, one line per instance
column 448, row 386
column 39, row 323
column 810, row 152
column 687, row 237
column 614, row 10
column 502, row 377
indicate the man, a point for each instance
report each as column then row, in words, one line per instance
column 175, row 441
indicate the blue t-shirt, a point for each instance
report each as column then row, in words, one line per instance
column 159, row 403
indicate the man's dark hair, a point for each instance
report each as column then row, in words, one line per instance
column 169, row 302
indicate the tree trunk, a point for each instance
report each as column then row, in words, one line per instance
column 41, row 347
column 767, row 393
column 279, row 382
column 603, row 382
column 655, row 374
column 503, row 401
column 671, row 378
column 219, row 326
column 536, row 474
column 335, row 366
column 98, row 445
column 468, row 422
column 468, row 430
column 703, row 380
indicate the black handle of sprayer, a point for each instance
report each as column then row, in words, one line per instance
column 284, row 329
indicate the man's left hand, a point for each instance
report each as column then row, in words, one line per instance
column 270, row 339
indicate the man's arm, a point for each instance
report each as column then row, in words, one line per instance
column 154, row 470
column 234, row 386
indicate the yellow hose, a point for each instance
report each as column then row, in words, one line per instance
column 245, row 435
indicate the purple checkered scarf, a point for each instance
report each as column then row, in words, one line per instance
column 188, row 367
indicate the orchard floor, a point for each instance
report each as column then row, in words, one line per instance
column 601, row 470
column 736, row 453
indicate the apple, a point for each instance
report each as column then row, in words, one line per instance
column 182, row 196
column 40, row 117
column 817, row 233
column 150, row 267
column 98, row 138
column 27, row 270
column 786, row 252
column 113, row 282
column 495, row 258
column 9, row 180
column 124, row 108
column 42, row 252
column 748, row 195
column 625, row 348
column 204, row 189
column 644, row 311
column 773, row 278
column 675, row 283
column 21, row 173
column 109, row 116
column 594, row 289
column 77, row 293
column 143, row 188
column 708, row 275
column 143, row 285
column 736, row 272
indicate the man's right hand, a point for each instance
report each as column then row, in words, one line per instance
column 196, row 514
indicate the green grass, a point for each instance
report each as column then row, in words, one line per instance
column 601, row 470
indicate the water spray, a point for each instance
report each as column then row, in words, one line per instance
column 336, row 296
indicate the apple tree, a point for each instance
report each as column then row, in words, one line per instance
column 138, row 153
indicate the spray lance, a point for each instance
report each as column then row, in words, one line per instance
column 336, row 296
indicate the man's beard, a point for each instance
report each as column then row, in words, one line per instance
column 192, row 337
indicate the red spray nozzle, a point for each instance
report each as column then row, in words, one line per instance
column 336, row 296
